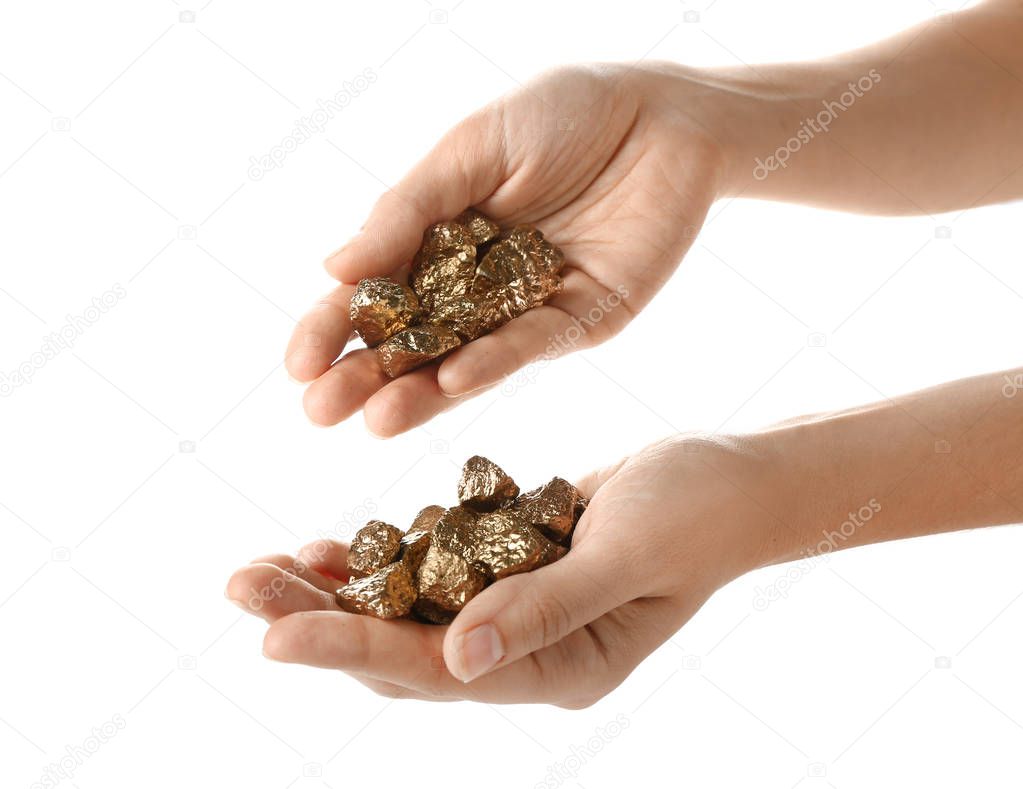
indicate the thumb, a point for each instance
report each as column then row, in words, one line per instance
column 465, row 167
column 523, row 613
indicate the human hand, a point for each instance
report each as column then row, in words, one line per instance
column 664, row 529
column 610, row 170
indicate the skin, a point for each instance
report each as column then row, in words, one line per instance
column 665, row 529
column 619, row 166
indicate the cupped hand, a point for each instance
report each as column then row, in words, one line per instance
column 599, row 159
column 664, row 529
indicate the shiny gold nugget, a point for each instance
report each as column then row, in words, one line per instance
column 507, row 545
column 550, row 508
column 484, row 486
column 445, row 263
column 445, row 583
column 415, row 347
column 374, row 545
column 456, row 531
column 480, row 227
column 380, row 308
column 386, row 594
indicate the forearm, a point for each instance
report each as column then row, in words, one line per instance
column 933, row 461
column 923, row 122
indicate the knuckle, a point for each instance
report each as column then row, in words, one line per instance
column 547, row 621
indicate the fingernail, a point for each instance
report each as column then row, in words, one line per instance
column 481, row 650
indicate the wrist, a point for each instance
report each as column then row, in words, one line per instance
column 745, row 119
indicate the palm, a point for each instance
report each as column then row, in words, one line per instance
column 617, row 181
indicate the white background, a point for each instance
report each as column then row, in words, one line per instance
column 123, row 127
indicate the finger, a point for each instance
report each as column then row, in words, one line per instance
column 579, row 317
column 344, row 388
column 409, row 654
column 465, row 166
column 592, row 482
column 408, row 401
column 525, row 613
column 391, row 691
column 398, row 651
column 327, row 557
column 299, row 567
column 320, row 336
column 270, row 592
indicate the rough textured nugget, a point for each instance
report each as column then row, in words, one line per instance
column 374, row 545
column 456, row 531
column 380, row 308
column 469, row 317
column 444, row 584
column 386, row 594
column 507, row 545
column 427, row 518
column 484, row 486
column 482, row 228
column 414, row 347
column 550, row 508
column 414, row 545
column 445, row 263
column 416, row 541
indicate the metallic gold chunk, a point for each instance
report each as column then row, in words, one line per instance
column 414, row 347
column 414, row 546
column 470, row 316
column 456, row 531
column 374, row 545
column 445, row 263
column 550, row 508
column 380, row 308
column 530, row 240
column 427, row 518
column 484, row 486
column 481, row 227
column 507, row 545
column 416, row 541
column 444, row 584
column 386, row 594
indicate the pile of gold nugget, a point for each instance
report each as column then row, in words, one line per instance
column 448, row 556
column 467, row 278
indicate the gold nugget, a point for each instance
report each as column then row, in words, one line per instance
column 414, row 347
column 386, row 594
column 484, row 486
column 374, row 545
column 482, row 228
column 551, row 508
column 456, row 531
column 445, row 583
column 507, row 545
column 380, row 308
